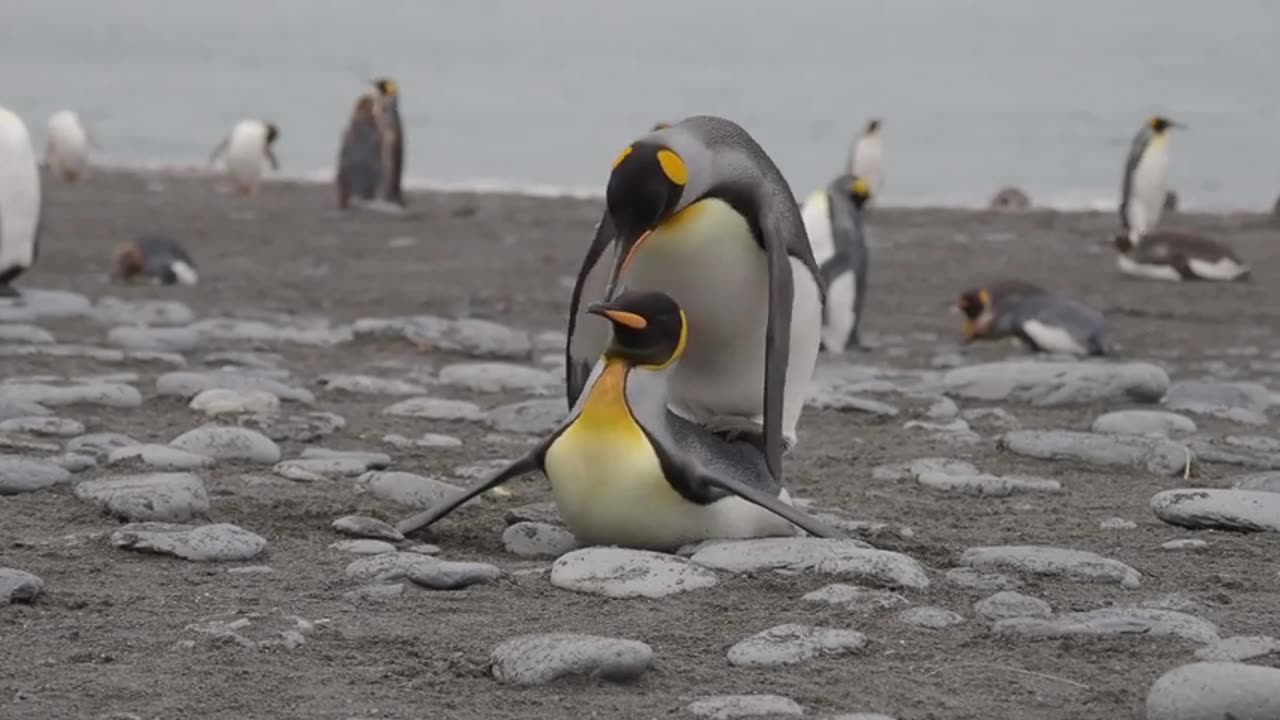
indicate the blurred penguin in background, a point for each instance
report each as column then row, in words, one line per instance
column 1146, row 172
column 67, row 151
column 20, row 201
column 866, row 158
column 246, row 148
column 371, row 157
column 158, row 258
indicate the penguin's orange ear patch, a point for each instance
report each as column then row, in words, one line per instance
column 985, row 298
column 622, row 156
column 673, row 166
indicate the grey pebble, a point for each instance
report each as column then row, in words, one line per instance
column 258, row 331
column 251, row 570
column 18, row 586
column 37, row 303
column 729, row 707
column 222, row 401
column 385, row 567
column 1159, row 456
column 530, row 417
column 42, row 425
column 498, row 377
column 541, row 659
column 791, row 643
column 22, row 333
column 187, row 385
column 933, row 618
column 164, row 339
column 1261, row 482
column 1049, row 384
column 1116, row 523
column 1067, row 563
column 426, row 440
column 843, row 400
column 623, row 573
column 429, row 408
column 1241, row 402
column 366, row 527
column 854, row 597
column 470, row 336
column 1111, row 621
column 313, row 468
column 74, row 462
column 23, row 475
column 1239, row 648
column 448, row 575
column 1185, row 544
column 1215, row 691
column 256, row 360
column 1008, row 604
column 424, row 549
column 307, row 427
column 529, row 539
column 1144, row 422
column 406, row 489
column 10, row 408
column 369, row 385
column 99, row 445
column 159, row 457
column 967, row 577
column 203, row 543
column 363, row 547
column 113, row 395
column 10, row 444
column 104, row 355
column 257, row 630
column 842, row 558
column 161, row 497
column 1227, row 452
column 991, row 419
column 222, row 442
column 1219, row 509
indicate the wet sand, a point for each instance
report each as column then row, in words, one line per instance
column 110, row 632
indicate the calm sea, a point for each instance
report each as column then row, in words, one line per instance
column 542, row 94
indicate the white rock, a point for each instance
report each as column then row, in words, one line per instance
column 933, row 618
column 19, row 586
column 531, row 417
column 1069, row 564
column 622, row 573
column 1144, row 422
column 531, row 539
column 1215, row 691
column 1239, row 648
column 22, row 475
column 42, row 425
column 164, row 339
column 1111, row 621
column 216, row 401
column 25, row 334
column 841, row 558
column 262, row 332
column 203, row 543
column 856, row 598
column 406, row 489
column 1009, row 604
column 369, row 385
column 190, row 384
column 426, row 440
column 497, row 377
column 363, row 547
column 163, row 497
column 1221, row 509
column 159, row 457
column 791, row 643
column 105, row 394
column 229, row 443
column 1157, row 455
column 540, row 659
column 1058, row 383
column 99, row 445
column 729, row 707
column 435, row 409
column 114, row 311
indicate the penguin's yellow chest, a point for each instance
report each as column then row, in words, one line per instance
column 608, row 484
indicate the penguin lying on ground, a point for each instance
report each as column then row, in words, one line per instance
column 1044, row 321
column 833, row 222
column 21, row 219
column 1146, row 170
column 249, row 143
column 157, row 257
column 625, row 470
column 1176, row 255
column 699, row 211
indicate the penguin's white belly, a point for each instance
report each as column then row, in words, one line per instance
column 1220, row 269
column 1129, row 266
column 610, row 489
column 1051, row 338
column 839, row 316
column 68, row 144
column 19, row 194
column 868, row 163
column 708, row 261
column 1149, row 180
column 816, row 213
column 245, row 152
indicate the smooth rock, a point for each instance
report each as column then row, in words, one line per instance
column 1184, row 544
column 984, row 485
column 217, row 401
column 622, row 573
column 1048, row 384
column 934, row 618
column 1066, row 563
column 1235, row 451
column 425, row 441
column 18, row 586
column 1235, row 649
column 469, row 336
column 366, row 527
column 445, row 575
column 308, row 427
column 228, row 443
column 529, row 539
column 160, row 497
column 36, row 304
column 913, row 469
column 313, row 469
column 159, row 457
column 104, row 355
column 376, row 592
column 114, row 311
column 1116, row 523
column 842, row 558
column 164, row 339
column 386, row 567
column 729, row 707
column 971, row 579
column 74, row 462
column 190, row 384
column 1214, row 508
column 531, row 417
column 31, row 334
column 369, row 385
column 374, row 460
column 256, row 360
column 262, row 332
column 204, row 543
column 111, row 395
column 363, row 546
column 10, row 409
column 406, row 489
column 1008, row 604
column 853, row 597
column 843, row 400
column 99, row 445
column 23, row 445
column 498, row 377
column 991, row 419
column 1242, row 402
column 436, row 409
column 1111, row 621
column 541, row 659
column 42, row 425
column 791, row 643
column 1215, row 691
column 1144, row 422
column 1261, row 482
column 1159, row 456
column 23, row 475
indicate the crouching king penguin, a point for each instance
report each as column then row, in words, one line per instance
column 698, row 210
column 1177, row 255
column 625, row 470
column 1146, row 170
column 833, row 222
column 159, row 258
column 1044, row 321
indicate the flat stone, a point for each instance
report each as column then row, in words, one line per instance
column 913, row 469
column 933, row 618
column 991, row 419
column 1116, row 523
column 373, row 460
column 1048, row 384
column 984, row 485
column 42, row 425
column 37, row 304
column 445, row 575
column 386, row 567
column 363, row 546
column 1065, row 563
column 1112, row 621
column 470, row 336
column 426, row 440
column 366, row 527
column 790, row 644
column 853, row 597
column 406, row 489
column 1215, row 691
column 189, row 384
column 263, row 332
column 114, row 311
column 435, row 409
column 498, row 377
column 1261, row 482
column 159, row 457
column 1219, row 509
column 622, row 573
column 161, row 497
column 24, row 444
column 1008, row 604
column 369, row 385
column 541, row 659
column 228, row 443
column 98, row 354
column 307, row 427
column 20, row 333
column 1238, row 648
column 971, row 579
column 257, row 360
column 843, row 399
column 1241, row 402
column 203, row 543
column 841, row 558
column 857, row 716
column 530, row 539
column 164, row 339
column 315, row 469
column 10, row 409
column 1234, row 453
column 105, row 394
column 99, row 445
column 1184, row 544
column 530, row 417
column 728, row 707
column 1159, row 456
column 18, row 586
column 1144, row 422
column 219, row 401
column 74, row 462
column 23, row 475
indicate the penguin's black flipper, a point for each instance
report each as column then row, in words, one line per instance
column 798, row 517
column 527, row 464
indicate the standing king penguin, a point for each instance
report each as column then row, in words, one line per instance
column 371, row 158
column 20, row 216
column 833, row 222
column 699, row 211
column 625, row 470
column 67, row 151
column 866, row 157
column 1146, row 171
column 249, row 143
column 389, row 94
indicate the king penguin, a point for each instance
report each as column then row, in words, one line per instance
column 1146, row 171
column 1176, row 255
column 699, row 211
column 866, row 157
column 371, row 158
column 625, row 470
column 1044, row 321
column 389, row 95
column 249, row 143
column 20, row 208
column 833, row 222
column 158, row 257
column 67, row 151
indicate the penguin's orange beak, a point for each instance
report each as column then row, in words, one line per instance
column 621, row 317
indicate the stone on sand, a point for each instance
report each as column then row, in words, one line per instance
column 1239, row 648
column 164, row 339
column 849, row 559
column 1048, row 384
column 1144, row 422
column 218, row 401
column 366, row 527
column 1184, row 544
column 112, row 395
column 1156, row 455
column 1215, row 690
column 792, row 643
column 317, row 468
column 257, row 630
column 18, row 586
column 1066, row 563
column 1246, row 451
column 447, row 575
column 24, row 333
column 407, row 489
column 1219, row 509
column 99, row 445
column 1261, row 482
column 542, row 658
column 219, row 542
column 1009, row 604
column 222, row 442
column 1241, row 402
column 930, row 617
column 497, row 377
column 43, row 425
column 854, row 597
column 186, row 384
column 970, row 579
column 530, row 417
column 1112, row 621
column 23, row 475
column 430, row 408
column 730, row 707
column 159, row 457
column 10, row 409
column 469, row 336
column 363, row 546
column 160, row 497
column 369, row 385
column 319, row 334
column 307, row 427
column 114, row 311
column 623, row 573
column 385, row 567
column 37, row 304
column 426, row 440
column 531, row 539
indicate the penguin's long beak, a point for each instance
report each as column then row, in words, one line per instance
column 621, row 265
column 621, row 317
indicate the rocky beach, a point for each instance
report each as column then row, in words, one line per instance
column 197, row 484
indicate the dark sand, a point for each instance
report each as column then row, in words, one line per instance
column 106, row 635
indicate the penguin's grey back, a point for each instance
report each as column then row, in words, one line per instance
column 360, row 159
column 1085, row 324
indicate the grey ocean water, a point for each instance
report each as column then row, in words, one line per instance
column 542, row 94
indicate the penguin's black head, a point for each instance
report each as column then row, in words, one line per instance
column 644, row 189
column 273, row 132
column 873, row 126
column 1160, row 123
column 649, row 328
column 386, row 87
